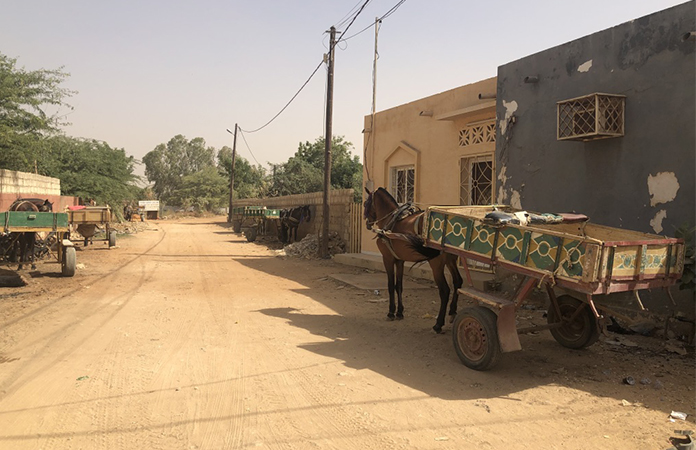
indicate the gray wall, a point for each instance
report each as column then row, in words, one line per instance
column 647, row 61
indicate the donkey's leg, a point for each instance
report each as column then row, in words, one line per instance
column 399, row 288
column 457, row 282
column 438, row 267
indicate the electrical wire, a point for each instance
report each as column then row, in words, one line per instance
column 387, row 14
column 313, row 73
column 248, row 148
column 347, row 17
column 288, row 103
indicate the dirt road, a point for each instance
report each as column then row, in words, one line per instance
column 185, row 336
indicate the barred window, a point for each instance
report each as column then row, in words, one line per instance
column 595, row 116
column 403, row 183
column 476, row 180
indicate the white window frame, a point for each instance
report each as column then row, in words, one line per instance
column 467, row 182
column 402, row 194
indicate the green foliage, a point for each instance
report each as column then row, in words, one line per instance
column 89, row 169
column 249, row 180
column 304, row 172
column 26, row 101
column 205, row 190
column 169, row 163
column 29, row 139
column 688, row 279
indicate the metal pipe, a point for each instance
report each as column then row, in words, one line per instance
column 486, row 96
column 689, row 35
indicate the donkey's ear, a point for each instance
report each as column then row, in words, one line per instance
column 367, row 190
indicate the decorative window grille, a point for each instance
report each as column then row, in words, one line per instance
column 592, row 117
column 403, row 183
column 477, row 134
column 476, row 180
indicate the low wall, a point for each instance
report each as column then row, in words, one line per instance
column 339, row 210
column 14, row 185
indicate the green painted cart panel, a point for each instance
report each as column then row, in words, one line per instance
column 19, row 221
column 272, row 214
column 583, row 253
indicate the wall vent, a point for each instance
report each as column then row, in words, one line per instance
column 592, row 117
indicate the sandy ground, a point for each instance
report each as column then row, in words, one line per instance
column 185, row 336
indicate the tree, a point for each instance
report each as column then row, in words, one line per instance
column 169, row 163
column 304, row 172
column 89, row 168
column 27, row 102
column 249, row 180
column 205, row 190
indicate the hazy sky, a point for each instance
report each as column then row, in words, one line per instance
column 146, row 71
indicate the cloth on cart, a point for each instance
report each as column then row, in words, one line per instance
column 527, row 218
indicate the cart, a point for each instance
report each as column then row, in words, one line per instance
column 253, row 220
column 573, row 261
column 55, row 224
column 87, row 220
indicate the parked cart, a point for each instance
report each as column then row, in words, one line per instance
column 253, row 220
column 54, row 224
column 91, row 218
column 573, row 259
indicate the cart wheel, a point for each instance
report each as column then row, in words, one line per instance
column 581, row 332
column 475, row 336
column 112, row 239
column 237, row 226
column 69, row 262
column 250, row 234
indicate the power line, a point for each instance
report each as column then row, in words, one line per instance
column 288, row 103
column 311, row 76
column 387, row 14
column 248, row 148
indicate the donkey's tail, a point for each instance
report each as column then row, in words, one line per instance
column 418, row 244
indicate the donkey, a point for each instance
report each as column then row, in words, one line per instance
column 291, row 219
column 398, row 239
column 27, row 241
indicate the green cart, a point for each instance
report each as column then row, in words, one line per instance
column 253, row 220
column 43, row 222
column 572, row 258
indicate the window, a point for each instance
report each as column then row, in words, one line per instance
column 595, row 116
column 403, row 183
column 476, row 180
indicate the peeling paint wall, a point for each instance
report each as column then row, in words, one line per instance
column 642, row 181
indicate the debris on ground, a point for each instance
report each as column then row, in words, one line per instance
column 308, row 247
column 678, row 415
column 128, row 227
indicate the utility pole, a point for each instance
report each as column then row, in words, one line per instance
column 234, row 155
column 324, row 244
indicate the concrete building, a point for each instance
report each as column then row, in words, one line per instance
column 438, row 150
column 625, row 157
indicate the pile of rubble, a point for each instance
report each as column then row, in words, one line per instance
column 308, row 247
column 128, row 227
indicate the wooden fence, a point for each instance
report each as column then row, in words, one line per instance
column 356, row 226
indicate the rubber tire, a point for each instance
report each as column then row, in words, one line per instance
column 69, row 262
column 112, row 239
column 250, row 234
column 582, row 333
column 237, row 226
column 480, row 326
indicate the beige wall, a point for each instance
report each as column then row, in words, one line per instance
column 425, row 134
